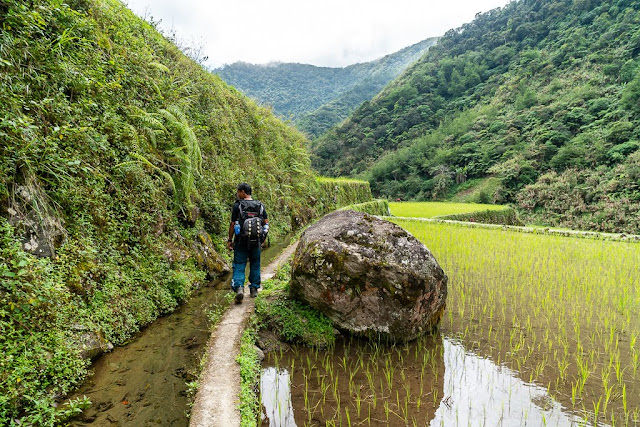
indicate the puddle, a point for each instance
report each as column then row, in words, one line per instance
column 434, row 382
column 145, row 382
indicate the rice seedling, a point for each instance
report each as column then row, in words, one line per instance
column 363, row 383
column 560, row 312
column 564, row 308
column 435, row 209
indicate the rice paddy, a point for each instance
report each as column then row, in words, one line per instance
column 436, row 209
column 539, row 330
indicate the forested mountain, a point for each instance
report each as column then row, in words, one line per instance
column 317, row 98
column 542, row 94
column 119, row 158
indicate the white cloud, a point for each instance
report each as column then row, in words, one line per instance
column 324, row 33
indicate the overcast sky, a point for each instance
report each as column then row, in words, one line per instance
column 332, row 33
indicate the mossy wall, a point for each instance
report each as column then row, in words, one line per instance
column 374, row 207
column 334, row 193
column 119, row 160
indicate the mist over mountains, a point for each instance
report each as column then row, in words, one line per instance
column 316, row 98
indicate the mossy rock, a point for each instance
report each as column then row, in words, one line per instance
column 369, row 276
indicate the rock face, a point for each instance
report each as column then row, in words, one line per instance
column 32, row 215
column 207, row 257
column 369, row 276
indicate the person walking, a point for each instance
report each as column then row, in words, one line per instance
column 247, row 232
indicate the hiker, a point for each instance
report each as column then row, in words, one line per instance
column 247, row 233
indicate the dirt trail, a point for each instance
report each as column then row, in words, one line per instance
column 216, row 402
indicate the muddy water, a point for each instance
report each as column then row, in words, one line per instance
column 457, row 387
column 145, row 382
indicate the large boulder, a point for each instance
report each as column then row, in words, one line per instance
column 369, row 276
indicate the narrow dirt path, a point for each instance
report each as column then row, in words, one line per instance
column 216, row 402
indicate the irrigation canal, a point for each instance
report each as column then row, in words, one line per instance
column 145, row 381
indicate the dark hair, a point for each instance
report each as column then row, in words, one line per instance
column 245, row 187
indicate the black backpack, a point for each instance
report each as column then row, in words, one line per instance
column 251, row 221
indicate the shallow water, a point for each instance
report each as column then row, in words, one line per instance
column 479, row 392
column 275, row 387
column 145, row 381
column 472, row 390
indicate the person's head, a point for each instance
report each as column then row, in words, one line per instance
column 243, row 190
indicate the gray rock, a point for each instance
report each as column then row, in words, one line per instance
column 90, row 342
column 369, row 276
column 207, row 257
column 259, row 353
column 30, row 212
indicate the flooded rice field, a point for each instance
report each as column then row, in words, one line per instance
column 434, row 381
column 538, row 330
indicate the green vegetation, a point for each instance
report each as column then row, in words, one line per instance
column 541, row 94
column 119, row 160
column 292, row 320
column 475, row 190
column 561, row 311
column 36, row 357
column 438, row 209
column 317, row 98
column 505, row 216
column 337, row 192
column 249, row 378
column 374, row 207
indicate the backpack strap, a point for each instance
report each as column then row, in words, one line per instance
column 240, row 210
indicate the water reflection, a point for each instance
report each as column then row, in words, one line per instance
column 478, row 392
column 472, row 391
column 275, row 389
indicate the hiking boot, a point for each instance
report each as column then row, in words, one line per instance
column 253, row 292
column 239, row 294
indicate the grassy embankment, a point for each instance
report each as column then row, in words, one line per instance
column 120, row 155
column 466, row 212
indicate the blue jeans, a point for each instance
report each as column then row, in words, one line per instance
column 242, row 254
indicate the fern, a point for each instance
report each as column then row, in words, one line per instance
column 171, row 126
column 143, row 160
column 187, row 153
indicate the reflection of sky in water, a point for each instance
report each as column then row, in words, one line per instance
column 479, row 393
column 275, row 388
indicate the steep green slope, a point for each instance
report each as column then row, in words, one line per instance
column 319, row 97
column 542, row 94
column 119, row 158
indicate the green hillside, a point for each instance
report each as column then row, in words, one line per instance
column 119, row 158
column 316, row 98
column 541, row 94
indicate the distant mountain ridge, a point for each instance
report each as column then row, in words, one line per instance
column 542, row 95
column 316, row 98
